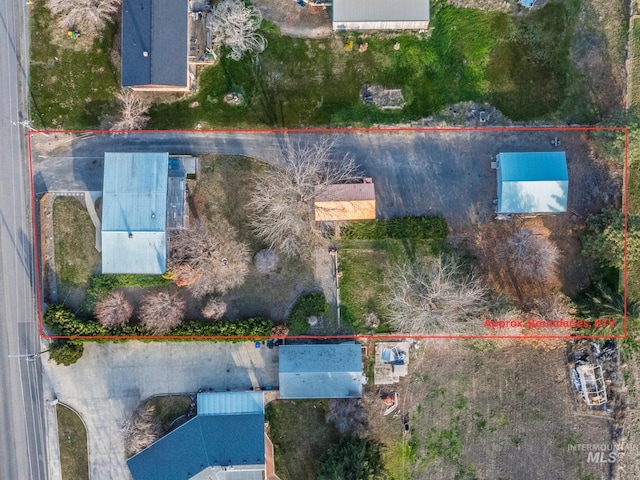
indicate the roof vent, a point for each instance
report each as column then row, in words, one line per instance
column 145, row 54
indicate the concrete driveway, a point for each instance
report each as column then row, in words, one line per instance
column 110, row 380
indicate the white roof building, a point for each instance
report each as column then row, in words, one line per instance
column 380, row 14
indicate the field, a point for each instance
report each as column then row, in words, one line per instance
column 364, row 266
column 72, row 437
column 76, row 258
column 489, row 411
column 469, row 55
column 72, row 81
column 300, row 436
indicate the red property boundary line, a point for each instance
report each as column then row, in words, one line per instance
column 332, row 131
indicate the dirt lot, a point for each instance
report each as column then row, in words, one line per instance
column 294, row 21
column 504, row 413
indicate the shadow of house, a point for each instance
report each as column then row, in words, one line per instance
column 224, row 441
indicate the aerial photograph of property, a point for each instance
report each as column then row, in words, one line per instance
column 320, row 240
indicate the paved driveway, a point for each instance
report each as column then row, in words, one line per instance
column 425, row 172
column 110, row 380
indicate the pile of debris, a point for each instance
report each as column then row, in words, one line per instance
column 383, row 98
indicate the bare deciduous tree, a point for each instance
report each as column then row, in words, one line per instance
column 435, row 295
column 208, row 260
column 235, row 25
column 214, row 309
column 141, row 429
column 348, row 415
column 529, row 256
column 282, row 200
column 160, row 312
column 114, row 310
column 89, row 15
column 133, row 111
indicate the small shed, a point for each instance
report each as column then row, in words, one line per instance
column 320, row 371
column 134, row 213
column 350, row 201
column 532, row 182
column 381, row 14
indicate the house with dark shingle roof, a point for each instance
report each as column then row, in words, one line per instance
column 155, row 45
column 225, row 441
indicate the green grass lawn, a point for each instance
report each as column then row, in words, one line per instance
column 635, row 62
column 74, row 238
column 300, row 436
column 72, row 82
column 365, row 265
column 73, row 445
column 520, row 64
column 633, row 269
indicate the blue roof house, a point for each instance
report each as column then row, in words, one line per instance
column 155, row 45
column 225, row 441
column 134, row 213
column 532, row 182
column 320, row 371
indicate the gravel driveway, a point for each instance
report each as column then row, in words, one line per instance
column 110, row 380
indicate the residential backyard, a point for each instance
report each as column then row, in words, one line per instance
column 518, row 63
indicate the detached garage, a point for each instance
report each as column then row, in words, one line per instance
column 532, row 182
column 380, row 14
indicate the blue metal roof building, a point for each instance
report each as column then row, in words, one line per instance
column 320, row 371
column 226, row 444
column 134, row 213
column 155, row 44
column 532, row 182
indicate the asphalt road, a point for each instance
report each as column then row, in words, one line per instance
column 22, row 446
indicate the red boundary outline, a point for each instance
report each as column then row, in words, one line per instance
column 625, row 203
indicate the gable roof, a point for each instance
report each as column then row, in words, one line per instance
column 351, row 201
column 204, row 441
column 134, row 203
column 159, row 28
column 228, row 431
column 320, row 371
column 532, row 182
column 375, row 13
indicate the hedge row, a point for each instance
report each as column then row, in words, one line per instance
column 417, row 228
column 64, row 322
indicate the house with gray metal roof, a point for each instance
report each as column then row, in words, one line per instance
column 381, row 14
column 320, row 371
column 134, row 213
column 532, row 182
column 155, row 45
column 225, row 441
